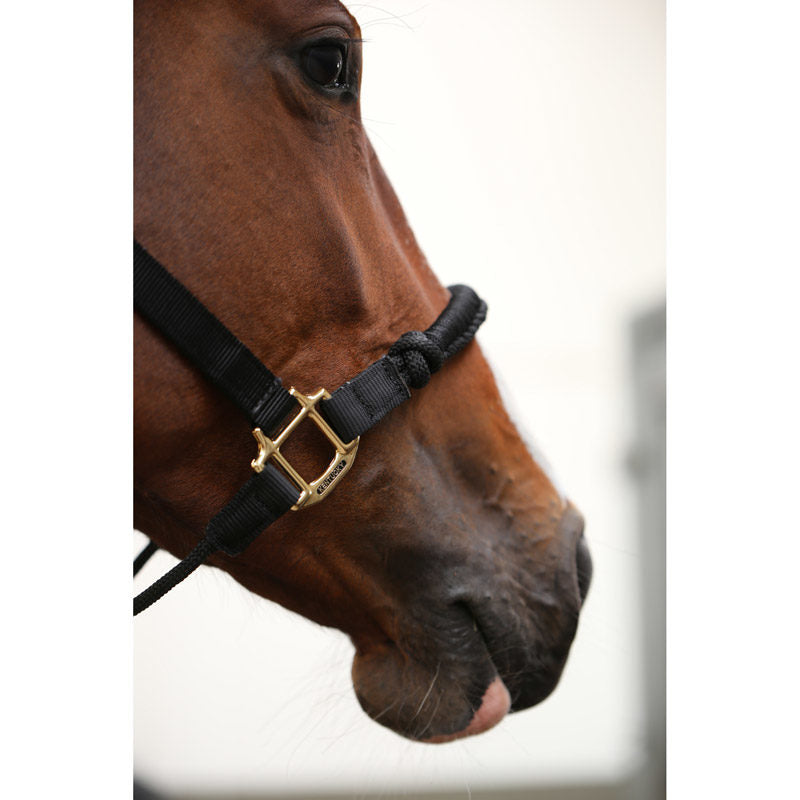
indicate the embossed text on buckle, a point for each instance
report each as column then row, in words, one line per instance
column 345, row 455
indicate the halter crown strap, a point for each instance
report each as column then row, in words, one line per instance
column 343, row 416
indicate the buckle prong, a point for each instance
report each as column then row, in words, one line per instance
column 316, row 490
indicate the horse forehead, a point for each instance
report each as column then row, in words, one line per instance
column 282, row 17
column 289, row 14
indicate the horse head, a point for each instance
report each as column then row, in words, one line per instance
column 447, row 555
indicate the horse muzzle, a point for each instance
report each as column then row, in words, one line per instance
column 488, row 639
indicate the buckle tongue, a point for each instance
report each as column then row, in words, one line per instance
column 345, row 455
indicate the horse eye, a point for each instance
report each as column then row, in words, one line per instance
column 324, row 64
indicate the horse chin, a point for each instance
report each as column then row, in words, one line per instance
column 424, row 704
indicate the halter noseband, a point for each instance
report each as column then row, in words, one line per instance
column 342, row 416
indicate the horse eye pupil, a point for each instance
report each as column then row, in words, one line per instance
column 324, row 64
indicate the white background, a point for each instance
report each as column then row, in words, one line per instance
column 527, row 147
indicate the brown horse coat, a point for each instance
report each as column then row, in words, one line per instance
column 446, row 554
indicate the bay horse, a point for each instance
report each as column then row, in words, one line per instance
column 447, row 555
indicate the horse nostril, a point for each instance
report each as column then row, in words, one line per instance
column 583, row 563
column 572, row 525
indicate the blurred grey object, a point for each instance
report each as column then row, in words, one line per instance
column 648, row 466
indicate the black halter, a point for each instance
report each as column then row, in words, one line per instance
column 342, row 416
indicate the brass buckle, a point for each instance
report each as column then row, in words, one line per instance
column 319, row 488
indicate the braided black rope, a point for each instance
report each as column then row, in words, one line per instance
column 416, row 357
column 143, row 557
column 418, row 354
column 181, row 570
column 460, row 342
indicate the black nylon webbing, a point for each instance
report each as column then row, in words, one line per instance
column 207, row 343
column 266, row 496
column 352, row 409
column 358, row 404
column 361, row 402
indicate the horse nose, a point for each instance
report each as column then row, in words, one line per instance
column 571, row 527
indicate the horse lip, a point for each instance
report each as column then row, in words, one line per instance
column 487, row 707
column 524, row 669
column 495, row 704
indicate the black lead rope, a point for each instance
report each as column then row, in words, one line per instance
column 143, row 557
column 348, row 412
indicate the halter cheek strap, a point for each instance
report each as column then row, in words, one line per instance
column 351, row 410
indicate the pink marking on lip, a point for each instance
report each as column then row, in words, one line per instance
column 494, row 706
